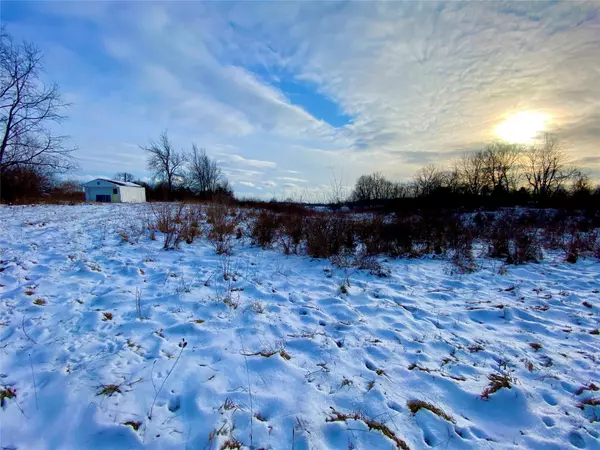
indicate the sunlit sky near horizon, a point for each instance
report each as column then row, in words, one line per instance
column 286, row 93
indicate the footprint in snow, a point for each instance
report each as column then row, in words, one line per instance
column 576, row 439
column 548, row 421
column 549, row 398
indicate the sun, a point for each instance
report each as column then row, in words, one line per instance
column 523, row 127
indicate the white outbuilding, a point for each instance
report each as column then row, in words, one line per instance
column 112, row 191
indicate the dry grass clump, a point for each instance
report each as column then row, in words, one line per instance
column 135, row 425
column 7, row 392
column 337, row 416
column 590, row 402
column 535, row 345
column 416, row 405
column 231, row 444
column 109, row 390
column 587, row 387
column 497, row 382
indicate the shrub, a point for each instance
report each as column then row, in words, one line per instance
column 169, row 220
column 399, row 237
column 459, row 239
column 292, row 231
column 219, row 216
column 525, row 247
column 264, row 228
column 329, row 235
column 498, row 236
column 190, row 226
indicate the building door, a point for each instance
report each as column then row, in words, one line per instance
column 103, row 198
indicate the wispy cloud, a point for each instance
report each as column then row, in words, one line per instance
column 292, row 179
column 237, row 159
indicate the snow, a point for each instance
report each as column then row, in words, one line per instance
column 118, row 183
column 422, row 333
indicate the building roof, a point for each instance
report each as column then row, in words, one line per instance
column 118, row 183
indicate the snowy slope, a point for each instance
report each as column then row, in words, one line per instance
column 290, row 359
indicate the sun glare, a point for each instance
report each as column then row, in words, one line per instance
column 522, row 127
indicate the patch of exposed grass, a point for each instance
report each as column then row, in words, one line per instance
column 109, row 390
column 596, row 331
column 587, row 387
column 231, row 444
column 7, row 393
column 589, row 402
column 536, row 346
column 337, row 416
column 475, row 348
column 413, row 366
column 258, row 416
column 40, row 302
column 587, row 304
column 497, row 382
column 416, row 405
column 268, row 353
column 29, row 292
column 135, row 425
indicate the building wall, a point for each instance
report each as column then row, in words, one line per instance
column 92, row 191
column 131, row 194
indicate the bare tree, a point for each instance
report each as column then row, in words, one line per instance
column 376, row 187
column 501, row 160
column 124, row 176
column 205, row 176
column 428, row 179
column 27, row 109
column 338, row 190
column 547, row 167
column 471, row 171
column 164, row 161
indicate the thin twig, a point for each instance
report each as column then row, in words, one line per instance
column 183, row 345
column 138, row 302
column 37, row 406
column 249, row 391
column 25, row 331
column 152, row 376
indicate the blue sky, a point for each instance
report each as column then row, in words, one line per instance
column 287, row 94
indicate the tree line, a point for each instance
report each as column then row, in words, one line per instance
column 501, row 174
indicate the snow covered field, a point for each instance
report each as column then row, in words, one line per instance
column 262, row 350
